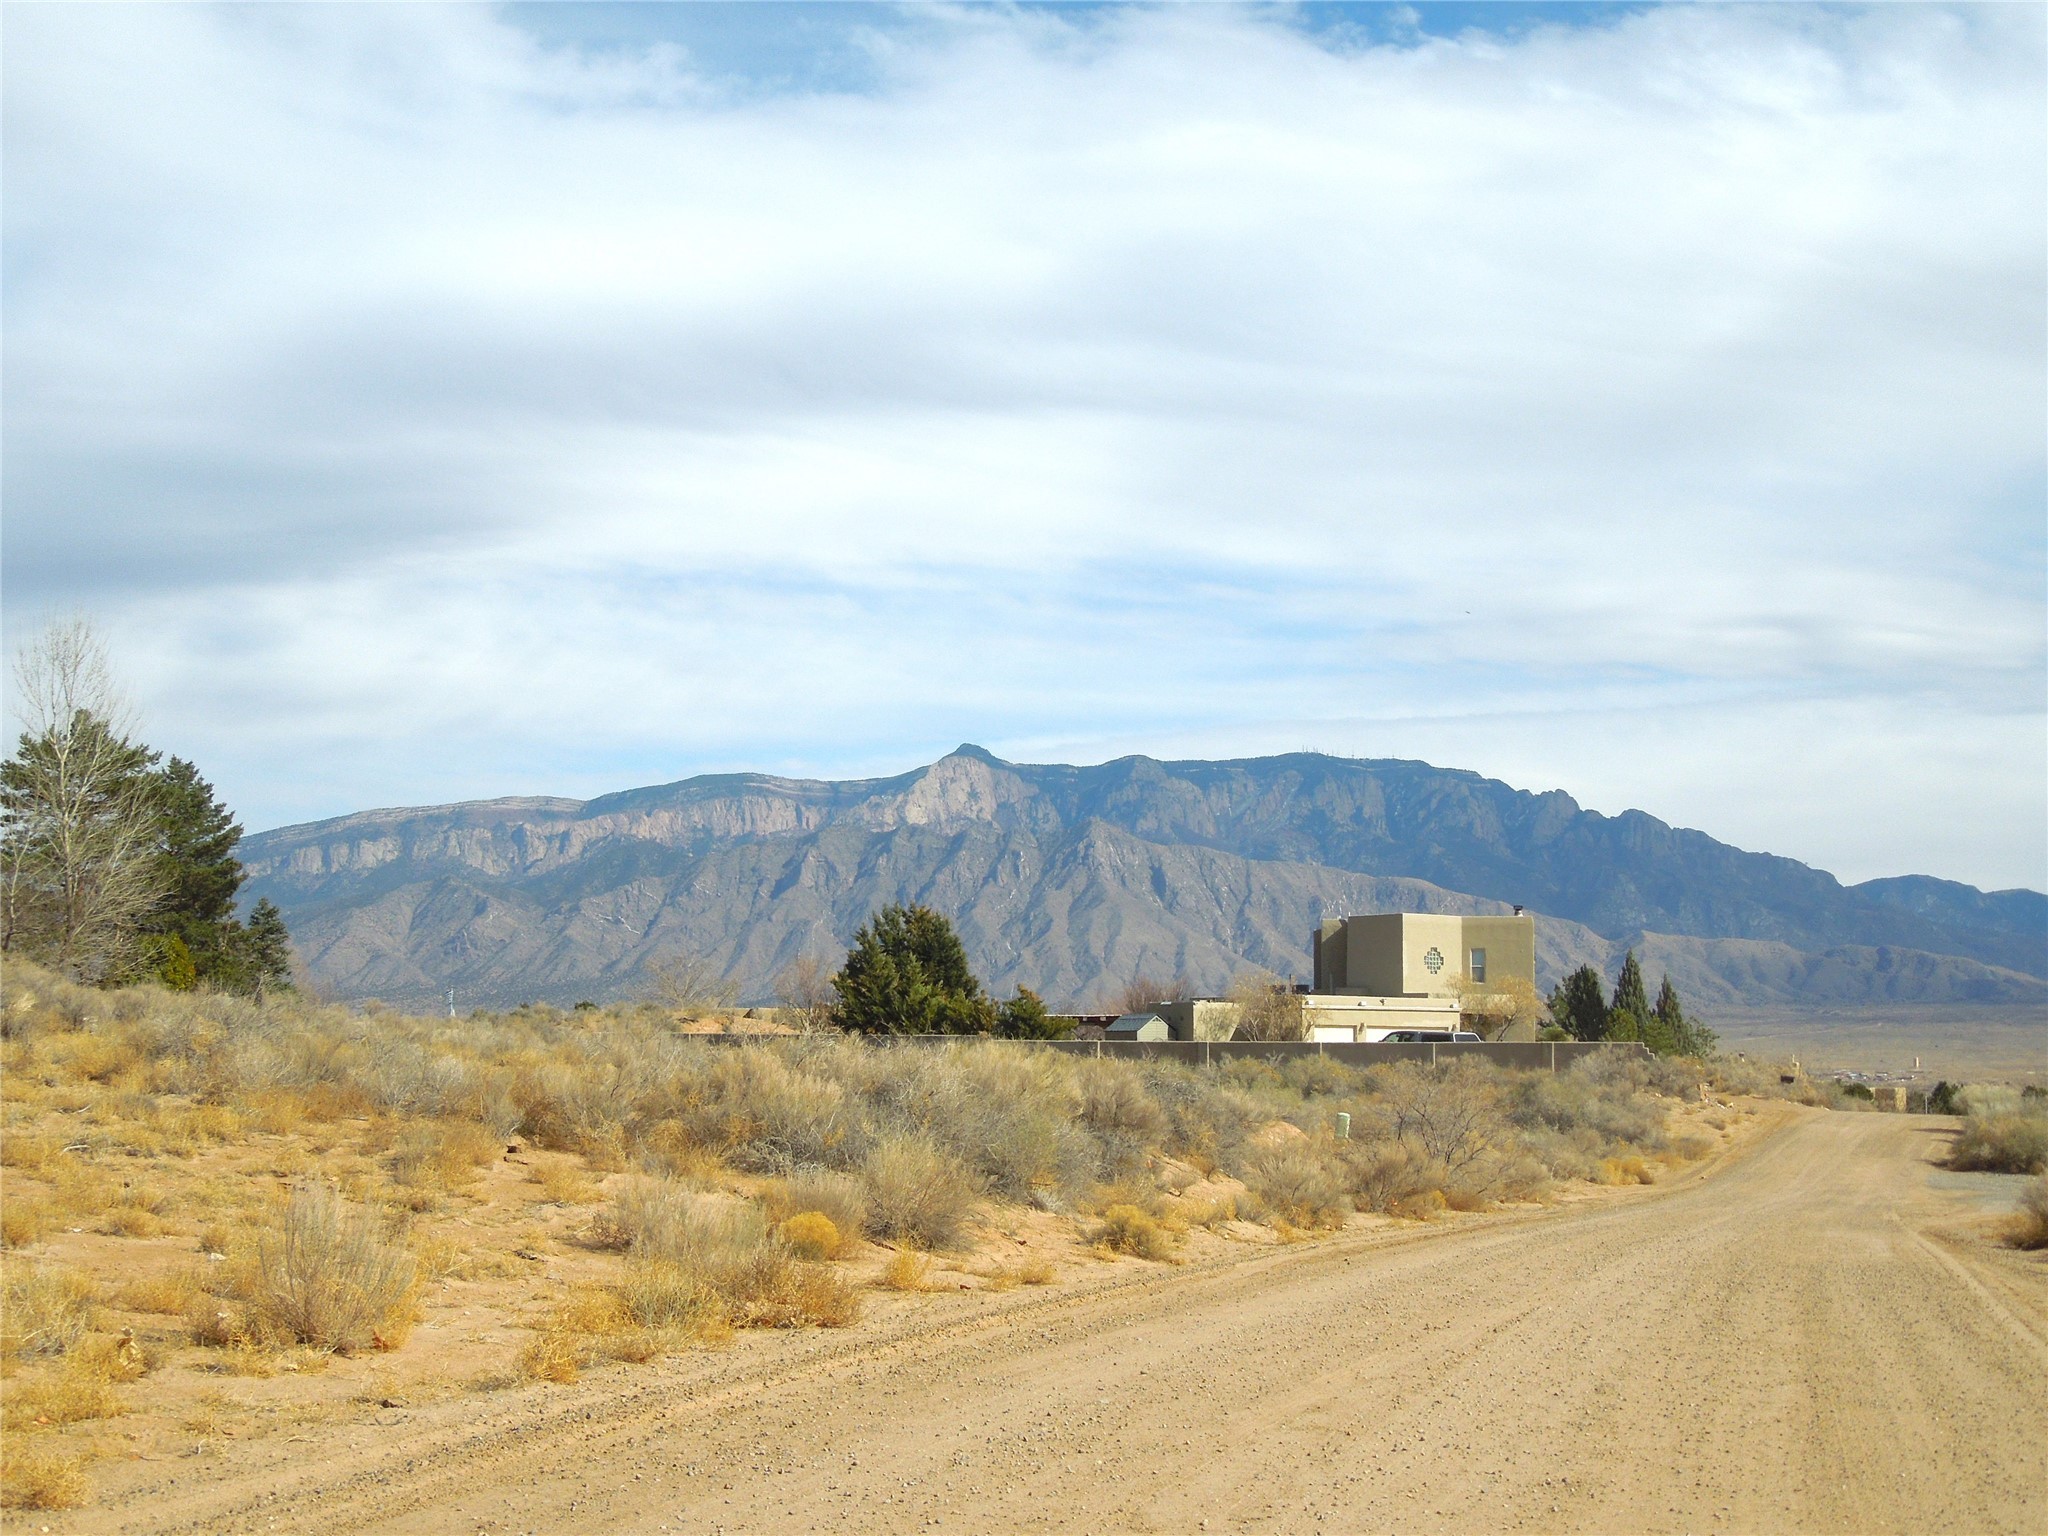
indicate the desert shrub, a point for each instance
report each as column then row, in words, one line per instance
column 1124, row 1118
column 1451, row 1111
column 1586, row 1099
column 324, row 1276
column 1297, row 1183
column 725, row 1247
column 765, row 1115
column 811, row 1235
column 1383, row 1174
column 32, row 1477
column 1008, row 1117
column 915, row 1195
column 1318, row 1077
column 1206, row 1118
column 46, row 1309
column 840, row 1197
column 1127, row 1229
column 1988, row 1100
column 2030, row 1228
column 2002, row 1143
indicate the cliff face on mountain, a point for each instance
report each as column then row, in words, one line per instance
column 1071, row 880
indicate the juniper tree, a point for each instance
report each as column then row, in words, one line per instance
column 1024, row 1017
column 907, row 973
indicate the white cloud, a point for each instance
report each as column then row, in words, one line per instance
column 465, row 414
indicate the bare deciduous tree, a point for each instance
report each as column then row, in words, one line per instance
column 688, row 985
column 1497, row 1010
column 1267, row 1007
column 805, row 991
column 1142, row 992
column 78, row 824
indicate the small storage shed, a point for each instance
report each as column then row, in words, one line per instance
column 1138, row 1026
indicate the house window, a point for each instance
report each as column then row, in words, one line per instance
column 1478, row 965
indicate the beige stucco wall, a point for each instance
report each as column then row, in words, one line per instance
column 1387, row 954
column 1510, row 945
column 1322, row 1010
column 1202, row 1018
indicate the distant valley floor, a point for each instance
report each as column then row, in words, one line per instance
column 1956, row 1042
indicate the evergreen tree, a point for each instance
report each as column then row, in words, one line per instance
column 1578, row 1005
column 1024, row 1017
column 1688, row 1036
column 907, row 973
column 198, row 872
column 264, row 952
column 1629, row 995
column 1628, row 1011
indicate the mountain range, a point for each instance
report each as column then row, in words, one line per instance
column 1072, row 880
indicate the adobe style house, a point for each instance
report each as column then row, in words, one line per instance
column 1405, row 969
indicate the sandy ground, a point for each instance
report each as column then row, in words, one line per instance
column 1812, row 1333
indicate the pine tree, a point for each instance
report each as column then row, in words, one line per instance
column 1578, row 1006
column 907, row 973
column 266, row 951
column 198, row 872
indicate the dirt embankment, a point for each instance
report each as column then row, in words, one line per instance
column 1793, row 1338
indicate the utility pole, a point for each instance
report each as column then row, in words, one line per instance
column 451, row 1002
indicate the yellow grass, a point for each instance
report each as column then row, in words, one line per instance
column 32, row 1477
column 907, row 1270
column 563, row 1182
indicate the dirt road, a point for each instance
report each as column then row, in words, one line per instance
column 1778, row 1345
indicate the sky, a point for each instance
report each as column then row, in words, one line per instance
column 442, row 402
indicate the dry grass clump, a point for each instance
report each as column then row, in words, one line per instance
column 724, row 1248
column 434, row 1157
column 79, row 1391
column 1626, row 1170
column 32, row 1477
column 562, row 1181
column 44, row 1310
column 916, row 1196
column 1129, row 1230
column 2030, row 1227
column 2002, row 1143
column 321, row 1274
column 23, row 1221
column 907, row 1270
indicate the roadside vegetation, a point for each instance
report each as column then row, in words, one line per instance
column 200, row 1187
column 2005, row 1130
